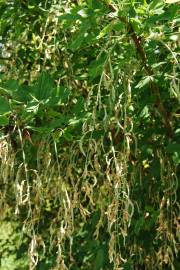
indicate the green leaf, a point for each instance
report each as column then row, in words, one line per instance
column 74, row 121
column 173, row 147
column 83, row 13
column 5, row 92
column 175, row 37
column 63, row 93
column 32, row 106
column 11, row 85
column 79, row 106
column 67, row 135
column 4, row 121
column 128, row 265
column 98, row 4
column 96, row 67
column 176, row 158
column 42, row 130
column 156, row 4
column 59, row 122
column 158, row 64
column 118, row 26
column 23, row 93
column 89, row 2
column 139, row 225
column 145, row 112
column 144, row 81
column 69, row 17
column 80, row 37
column 44, row 87
column 136, row 23
column 99, row 260
column 77, row 41
column 4, row 106
column 106, row 30
column 31, row 7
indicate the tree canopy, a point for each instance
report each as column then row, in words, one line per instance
column 89, row 134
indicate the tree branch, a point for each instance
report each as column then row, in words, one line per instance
column 148, row 70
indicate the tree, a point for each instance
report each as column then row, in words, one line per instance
column 89, row 116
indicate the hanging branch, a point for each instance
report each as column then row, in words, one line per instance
column 148, row 70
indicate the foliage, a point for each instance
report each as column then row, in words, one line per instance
column 89, row 112
column 12, row 247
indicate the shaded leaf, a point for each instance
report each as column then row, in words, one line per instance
column 4, row 106
column 4, row 121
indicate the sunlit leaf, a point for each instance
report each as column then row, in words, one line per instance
column 146, row 80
